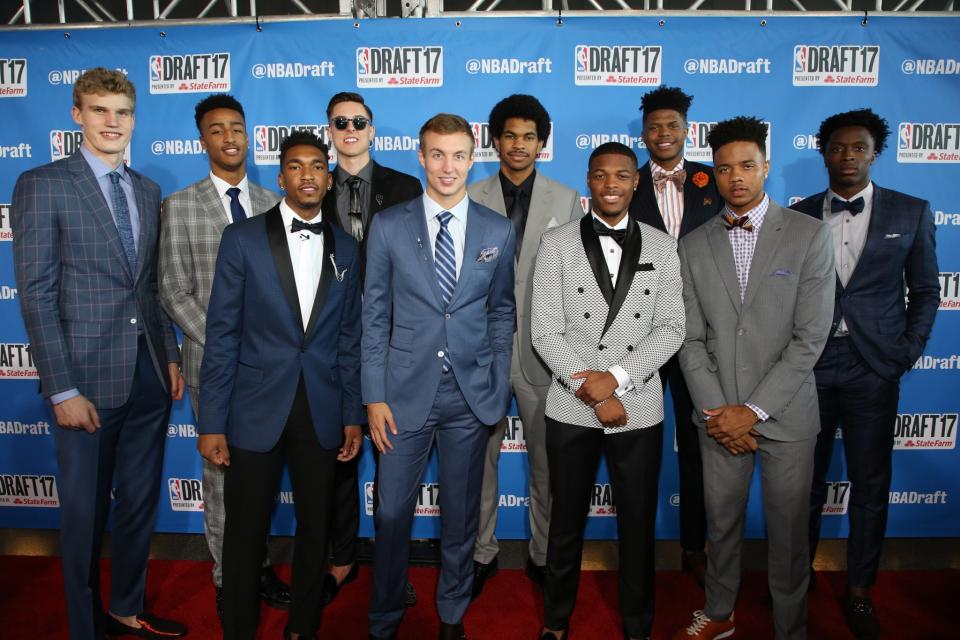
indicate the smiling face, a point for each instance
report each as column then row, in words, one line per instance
column 305, row 178
column 612, row 179
column 518, row 146
column 446, row 159
column 107, row 124
column 740, row 169
column 848, row 156
column 349, row 142
column 223, row 135
column 664, row 133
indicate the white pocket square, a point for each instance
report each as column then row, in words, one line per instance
column 890, row 236
column 553, row 223
column 489, row 254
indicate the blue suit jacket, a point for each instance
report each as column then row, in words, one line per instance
column 900, row 248
column 81, row 304
column 406, row 326
column 256, row 346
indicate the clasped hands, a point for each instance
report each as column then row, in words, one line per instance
column 732, row 425
column 597, row 393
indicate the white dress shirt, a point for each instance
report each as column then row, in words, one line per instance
column 457, row 225
column 222, row 185
column 612, row 252
column 306, row 256
column 849, row 237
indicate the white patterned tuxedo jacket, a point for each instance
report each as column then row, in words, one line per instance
column 580, row 321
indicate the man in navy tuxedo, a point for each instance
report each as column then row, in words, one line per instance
column 882, row 240
column 438, row 318
column 281, row 380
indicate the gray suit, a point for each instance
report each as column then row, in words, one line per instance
column 193, row 221
column 762, row 351
column 551, row 205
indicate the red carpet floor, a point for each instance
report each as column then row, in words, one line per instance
column 914, row 605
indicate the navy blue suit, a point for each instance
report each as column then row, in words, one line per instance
column 858, row 376
column 407, row 330
column 279, row 391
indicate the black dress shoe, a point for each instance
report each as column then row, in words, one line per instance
column 481, row 573
column 409, row 595
column 452, row 632
column 550, row 635
column 330, row 586
column 695, row 563
column 274, row 591
column 219, row 603
column 151, row 626
column 861, row 617
column 534, row 571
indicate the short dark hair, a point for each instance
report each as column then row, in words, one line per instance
column 614, row 148
column 739, row 129
column 348, row 96
column 672, row 98
column 299, row 137
column 522, row 106
column 216, row 101
column 877, row 126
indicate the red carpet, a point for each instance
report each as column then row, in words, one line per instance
column 913, row 604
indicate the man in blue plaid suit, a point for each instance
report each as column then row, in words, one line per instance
column 85, row 239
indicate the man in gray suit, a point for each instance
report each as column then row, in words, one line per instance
column 534, row 203
column 758, row 286
column 193, row 221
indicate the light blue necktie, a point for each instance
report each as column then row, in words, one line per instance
column 445, row 262
column 121, row 214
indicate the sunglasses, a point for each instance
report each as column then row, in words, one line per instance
column 359, row 122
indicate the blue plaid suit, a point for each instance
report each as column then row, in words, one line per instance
column 95, row 326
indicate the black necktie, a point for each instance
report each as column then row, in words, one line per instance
column 603, row 230
column 300, row 225
column 518, row 216
column 853, row 206
column 236, row 209
column 356, row 216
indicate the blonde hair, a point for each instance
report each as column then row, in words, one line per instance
column 445, row 124
column 100, row 81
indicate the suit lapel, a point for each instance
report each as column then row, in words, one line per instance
column 326, row 275
column 817, row 201
column 649, row 208
column 771, row 233
column 472, row 244
column 211, row 208
column 875, row 233
column 628, row 267
column 277, row 239
column 147, row 223
column 691, row 207
column 416, row 224
column 90, row 192
column 591, row 246
column 719, row 240
column 379, row 188
column 538, row 216
column 261, row 199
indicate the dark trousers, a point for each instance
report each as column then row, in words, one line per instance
column 693, row 516
column 633, row 458
column 126, row 452
column 250, row 487
column 345, row 521
column 864, row 406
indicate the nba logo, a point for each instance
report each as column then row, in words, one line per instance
column 260, row 139
column 585, row 204
column 363, row 61
column 156, row 67
column 691, row 135
column 56, row 144
column 799, row 58
column 175, row 492
column 903, row 136
column 368, row 498
column 581, row 55
column 476, row 133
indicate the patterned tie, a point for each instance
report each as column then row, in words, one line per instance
column 121, row 213
column 677, row 178
column 730, row 221
column 445, row 262
column 236, row 209
column 356, row 216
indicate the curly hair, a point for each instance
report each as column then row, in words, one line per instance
column 519, row 106
column 672, row 98
column 877, row 126
column 739, row 129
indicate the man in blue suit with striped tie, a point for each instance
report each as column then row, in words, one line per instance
column 438, row 319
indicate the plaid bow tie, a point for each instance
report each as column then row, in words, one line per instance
column 730, row 221
column 677, row 178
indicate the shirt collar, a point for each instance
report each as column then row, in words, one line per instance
column 656, row 169
column 866, row 194
column 101, row 168
column 756, row 214
column 222, row 185
column 620, row 225
column 459, row 210
column 526, row 187
column 366, row 174
column 289, row 215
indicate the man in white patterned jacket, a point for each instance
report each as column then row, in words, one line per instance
column 607, row 314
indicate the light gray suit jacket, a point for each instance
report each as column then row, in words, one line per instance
column 762, row 350
column 551, row 205
column 191, row 225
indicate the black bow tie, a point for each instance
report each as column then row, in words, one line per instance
column 603, row 230
column 300, row 225
column 853, row 206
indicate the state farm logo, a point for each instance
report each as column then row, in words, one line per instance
column 13, row 77
column 190, row 73
column 267, row 139
column 949, row 290
column 484, row 151
column 186, row 494
column 64, row 144
column 925, row 431
column 6, row 234
column 397, row 67
column 838, row 498
column 28, row 491
column 815, row 66
column 601, row 501
column 925, row 142
column 696, row 147
column 16, row 361
column 513, row 439
column 618, row 65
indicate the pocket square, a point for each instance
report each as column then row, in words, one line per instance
column 890, row 236
column 489, row 254
column 782, row 272
column 553, row 223
column 644, row 266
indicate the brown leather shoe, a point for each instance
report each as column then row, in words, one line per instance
column 694, row 563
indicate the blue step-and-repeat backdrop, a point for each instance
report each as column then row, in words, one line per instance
column 590, row 72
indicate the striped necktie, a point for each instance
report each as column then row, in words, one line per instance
column 445, row 262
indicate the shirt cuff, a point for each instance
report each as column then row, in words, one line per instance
column 63, row 396
column 762, row 415
column 624, row 383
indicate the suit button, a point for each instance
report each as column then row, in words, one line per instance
column 636, row 315
column 586, row 315
column 439, row 354
column 579, row 289
column 629, row 347
column 601, row 347
column 740, row 332
column 646, row 292
column 133, row 321
column 446, row 316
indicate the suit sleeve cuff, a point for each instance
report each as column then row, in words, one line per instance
column 63, row 396
column 624, row 383
column 762, row 416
